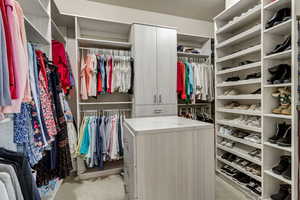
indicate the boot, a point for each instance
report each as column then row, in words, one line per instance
column 281, row 128
column 279, row 17
column 282, row 193
column 287, row 111
column 279, row 109
column 288, row 173
column 286, row 45
column 283, row 165
column 286, row 140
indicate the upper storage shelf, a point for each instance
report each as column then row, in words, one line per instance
column 34, row 7
column 276, row 5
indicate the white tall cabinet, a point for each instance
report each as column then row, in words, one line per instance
column 154, row 52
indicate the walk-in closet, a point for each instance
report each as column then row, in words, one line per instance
column 149, row 100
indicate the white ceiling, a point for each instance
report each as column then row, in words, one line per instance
column 196, row 9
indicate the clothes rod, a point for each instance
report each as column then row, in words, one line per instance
column 105, row 103
column 110, row 110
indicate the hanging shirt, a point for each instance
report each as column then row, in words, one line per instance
column 83, row 80
column 93, row 76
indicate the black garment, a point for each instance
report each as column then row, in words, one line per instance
column 130, row 91
column 121, row 153
column 99, row 147
column 23, row 171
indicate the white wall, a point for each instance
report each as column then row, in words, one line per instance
column 108, row 12
column 229, row 3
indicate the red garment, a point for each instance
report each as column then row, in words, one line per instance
column 12, row 83
column 110, row 76
column 181, row 80
column 99, row 82
column 60, row 60
column 40, row 58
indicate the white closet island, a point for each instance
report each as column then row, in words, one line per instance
column 169, row 158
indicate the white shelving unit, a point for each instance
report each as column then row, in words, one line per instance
column 96, row 34
column 240, row 35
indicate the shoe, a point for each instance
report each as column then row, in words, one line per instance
column 232, row 79
column 286, row 45
column 253, row 76
column 231, row 92
column 288, row 173
column 244, row 163
column 243, row 107
column 279, row 109
column 242, row 178
column 287, row 111
column 282, row 165
column 280, row 74
column 258, row 91
column 257, row 189
column 286, row 140
column 254, row 169
column 231, row 158
column 247, row 62
column 280, row 131
column 283, row 192
column 281, row 16
column 232, row 105
column 230, row 144
column 255, row 138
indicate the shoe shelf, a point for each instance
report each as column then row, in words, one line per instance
column 278, row 116
column 251, row 33
column 279, row 177
column 242, row 82
column 281, row 29
column 239, row 54
column 275, row 146
column 250, row 193
column 239, row 168
column 280, row 56
column 241, row 112
column 239, row 97
column 278, row 85
column 238, row 125
column 240, row 153
column 239, row 68
column 274, row 6
column 241, row 21
column 242, row 141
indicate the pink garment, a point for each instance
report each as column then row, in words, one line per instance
column 88, row 74
column 19, row 43
column 83, row 88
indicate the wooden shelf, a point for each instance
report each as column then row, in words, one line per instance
column 278, row 85
column 239, row 97
column 238, row 125
column 239, row 54
column 249, row 192
column 237, row 83
column 240, row 112
column 280, row 56
column 269, row 144
column 34, row 35
column 105, row 103
column 242, row 141
column 240, row 153
column 239, row 68
column 274, row 6
column 281, row 29
column 251, row 33
column 279, row 177
column 239, row 168
column 192, row 55
column 278, row 116
column 86, row 42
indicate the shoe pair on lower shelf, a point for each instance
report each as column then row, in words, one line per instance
column 248, row 121
column 256, row 153
column 284, row 167
column 284, row 46
column 284, row 193
column 283, row 135
column 228, row 143
column 255, row 186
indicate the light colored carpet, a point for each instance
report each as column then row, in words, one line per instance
column 111, row 188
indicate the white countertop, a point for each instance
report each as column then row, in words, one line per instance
column 151, row 124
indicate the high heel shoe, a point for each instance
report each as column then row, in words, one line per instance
column 286, row 45
column 281, row 16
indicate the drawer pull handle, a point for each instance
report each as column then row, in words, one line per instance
column 157, row 111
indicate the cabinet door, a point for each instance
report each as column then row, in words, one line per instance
column 145, row 65
column 166, row 65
